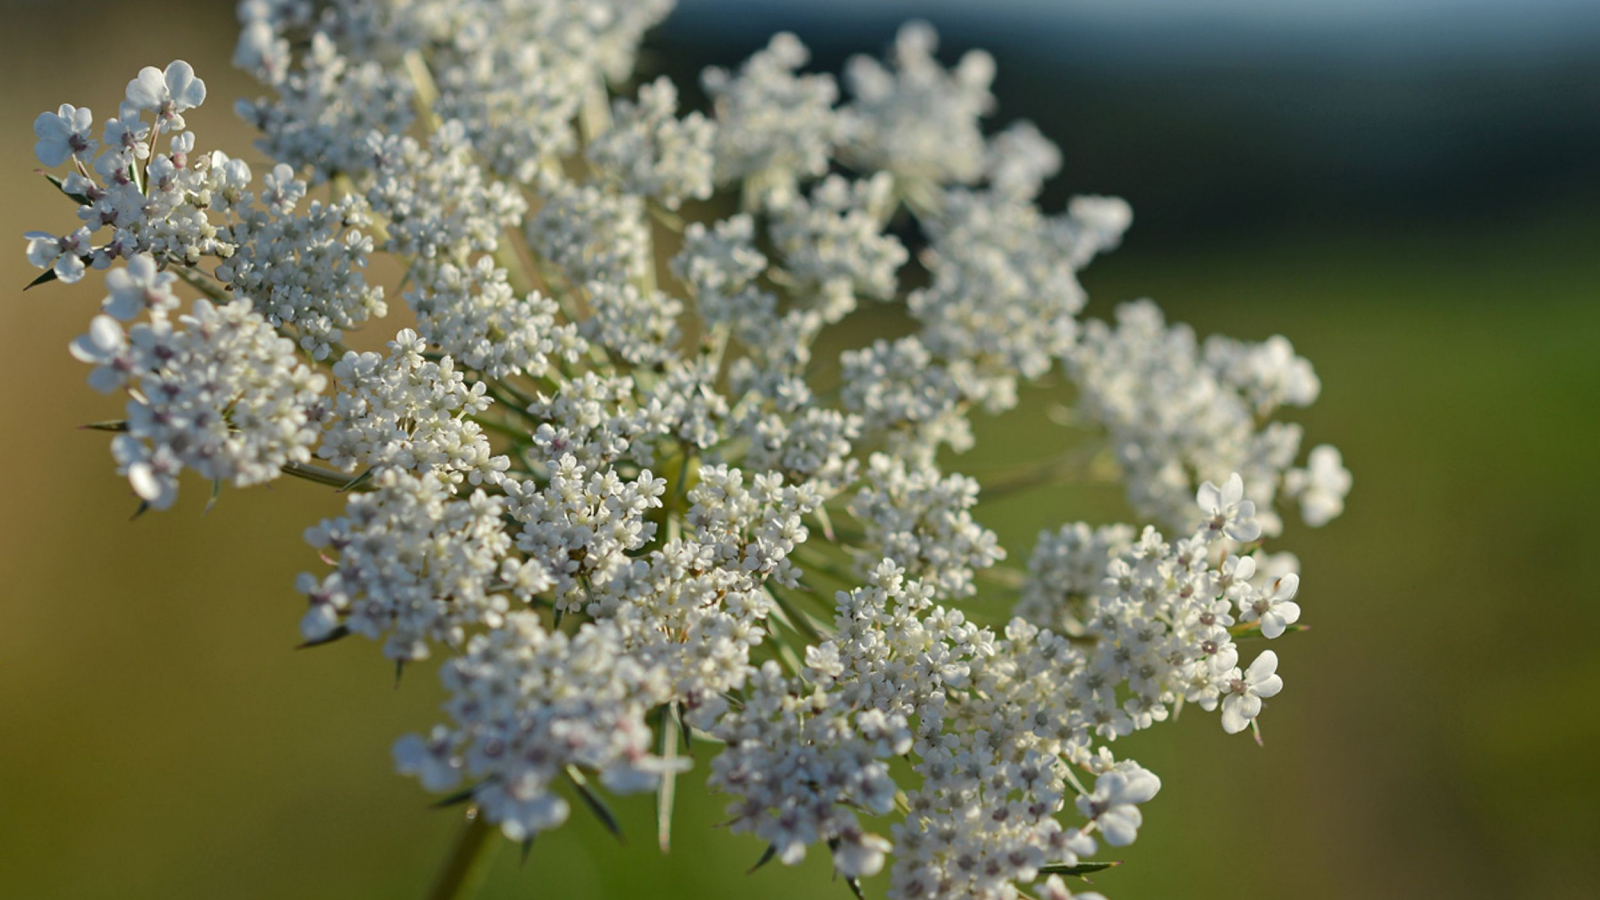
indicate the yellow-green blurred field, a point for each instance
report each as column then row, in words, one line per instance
column 1438, row 736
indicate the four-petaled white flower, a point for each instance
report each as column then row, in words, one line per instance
column 105, row 346
column 860, row 854
column 137, row 287
column 1321, row 486
column 67, row 255
column 63, row 133
column 1233, row 577
column 1246, row 690
column 431, row 759
column 1275, row 606
column 153, row 474
column 1113, row 805
column 167, row 92
column 1226, row 512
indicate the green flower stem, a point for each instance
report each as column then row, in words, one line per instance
column 1081, row 465
column 520, row 435
column 468, row 863
column 197, row 280
column 666, row 791
column 427, row 91
column 330, row 478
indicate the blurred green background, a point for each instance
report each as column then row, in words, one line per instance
column 1408, row 193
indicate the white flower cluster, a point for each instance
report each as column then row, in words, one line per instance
column 413, row 562
column 1005, row 291
column 151, row 202
column 1178, row 413
column 903, row 394
column 437, row 200
column 775, row 127
column 326, row 102
column 801, row 764
column 804, row 442
column 611, row 475
column 304, row 272
column 407, row 412
column 1067, row 565
column 651, row 153
column 593, row 235
column 1000, row 719
column 833, row 243
column 472, row 314
column 699, row 603
column 921, row 521
column 581, row 524
column 579, row 701
column 920, row 122
column 217, row 390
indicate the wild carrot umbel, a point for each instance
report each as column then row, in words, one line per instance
column 603, row 473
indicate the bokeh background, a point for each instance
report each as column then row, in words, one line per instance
column 1407, row 190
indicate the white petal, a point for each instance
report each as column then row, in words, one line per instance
column 1272, row 625
column 1268, row 688
column 106, row 334
column 319, row 621
column 408, row 753
column 141, row 269
column 69, row 268
column 792, row 852
column 1245, row 529
column 1120, row 825
column 143, row 479
column 51, row 126
column 1289, row 611
column 187, row 90
column 99, row 346
column 1264, row 666
column 545, row 812
column 83, row 349
column 50, row 152
column 1284, row 588
column 860, row 858
column 43, row 248
column 1233, row 718
column 149, row 90
column 1053, row 888
column 1080, row 843
column 1140, row 786
column 1233, row 490
column 123, row 305
column 1249, row 705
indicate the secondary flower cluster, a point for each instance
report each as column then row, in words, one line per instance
column 606, row 468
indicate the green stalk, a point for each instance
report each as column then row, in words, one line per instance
column 666, row 791
column 1076, row 466
column 467, row 865
column 516, row 434
column 192, row 277
column 320, row 476
column 427, row 92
